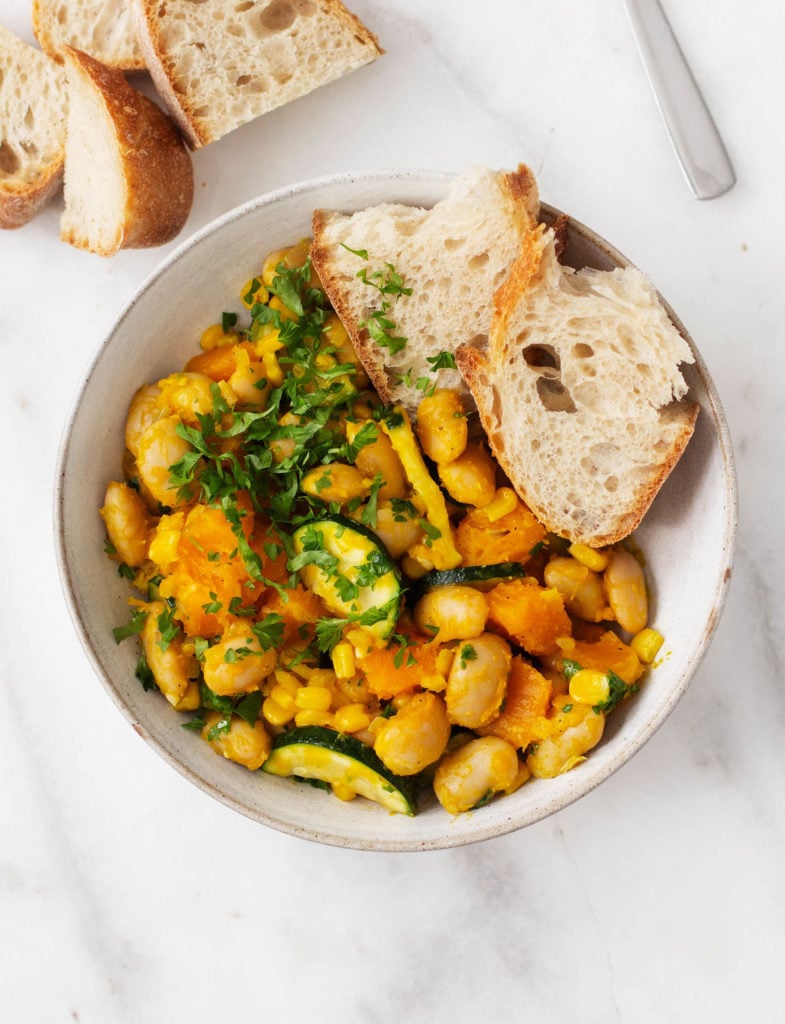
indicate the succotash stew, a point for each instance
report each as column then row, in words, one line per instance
column 330, row 592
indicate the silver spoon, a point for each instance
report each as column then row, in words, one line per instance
column 696, row 141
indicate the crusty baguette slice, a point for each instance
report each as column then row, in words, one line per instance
column 218, row 65
column 33, row 106
column 128, row 174
column 453, row 257
column 580, row 394
column 103, row 28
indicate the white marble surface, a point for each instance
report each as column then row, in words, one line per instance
column 127, row 895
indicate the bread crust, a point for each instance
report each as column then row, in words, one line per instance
column 521, row 199
column 481, row 368
column 163, row 71
column 20, row 203
column 31, row 81
column 156, row 166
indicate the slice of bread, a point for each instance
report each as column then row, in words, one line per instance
column 103, row 28
column 33, row 108
column 453, row 257
column 218, row 65
column 128, row 174
column 580, row 394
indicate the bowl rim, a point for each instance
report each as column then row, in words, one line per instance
column 481, row 833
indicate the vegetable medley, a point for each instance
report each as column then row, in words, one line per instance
column 333, row 593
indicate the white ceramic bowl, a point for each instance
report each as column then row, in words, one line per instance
column 687, row 536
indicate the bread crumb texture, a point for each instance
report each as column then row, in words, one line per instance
column 453, row 257
column 32, row 130
column 103, row 28
column 580, row 392
column 219, row 64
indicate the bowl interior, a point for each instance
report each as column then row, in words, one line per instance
column 687, row 536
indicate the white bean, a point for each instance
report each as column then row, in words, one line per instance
column 478, row 680
column 475, row 771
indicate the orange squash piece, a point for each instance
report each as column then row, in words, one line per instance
column 527, row 699
column 530, row 615
column 609, row 653
column 388, row 677
column 508, row 539
column 219, row 363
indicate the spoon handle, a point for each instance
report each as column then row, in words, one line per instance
column 696, row 141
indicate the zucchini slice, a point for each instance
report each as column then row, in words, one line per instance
column 351, row 570
column 481, row 576
column 315, row 752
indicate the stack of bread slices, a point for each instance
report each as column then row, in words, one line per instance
column 67, row 110
column 574, row 374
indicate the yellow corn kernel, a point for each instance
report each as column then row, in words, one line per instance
column 343, row 660
column 216, row 337
column 647, row 644
column 313, row 698
column 253, row 291
column 272, row 369
column 301, row 670
column 283, row 698
column 324, row 361
column 444, row 660
column 322, row 677
column 286, row 313
column 361, row 641
column 597, row 561
column 269, row 343
column 414, row 568
column 343, row 791
column 503, row 502
column 288, row 680
column 275, row 714
column 309, row 716
column 435, row 683
column 589, row 686
column 351, row 718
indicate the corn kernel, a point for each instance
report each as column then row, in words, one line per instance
column 361, row 641
column 309, row 716
column 253, row 291
column 647, row 644
column 272, row 369
column 275, row 714
column 343, row 660
column 503, row 502
column 435, row 683
column 322, row 677
column 523, row 776
column 597, row 561
column 343, row 792
column 287, row 680
column 589, row 686
column 413, row 567
column 313, row 698
column 444, row 660
column 302, row 670
column 282, row 697
column 215, row 336
column 270, row 342
column 280, row 307
column 351, row 718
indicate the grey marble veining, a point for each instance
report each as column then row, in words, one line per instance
column 126, row 895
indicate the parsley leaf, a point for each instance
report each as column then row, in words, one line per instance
column 136, row 625
column 618, row 691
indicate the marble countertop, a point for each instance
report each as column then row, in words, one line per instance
column 128, row 895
